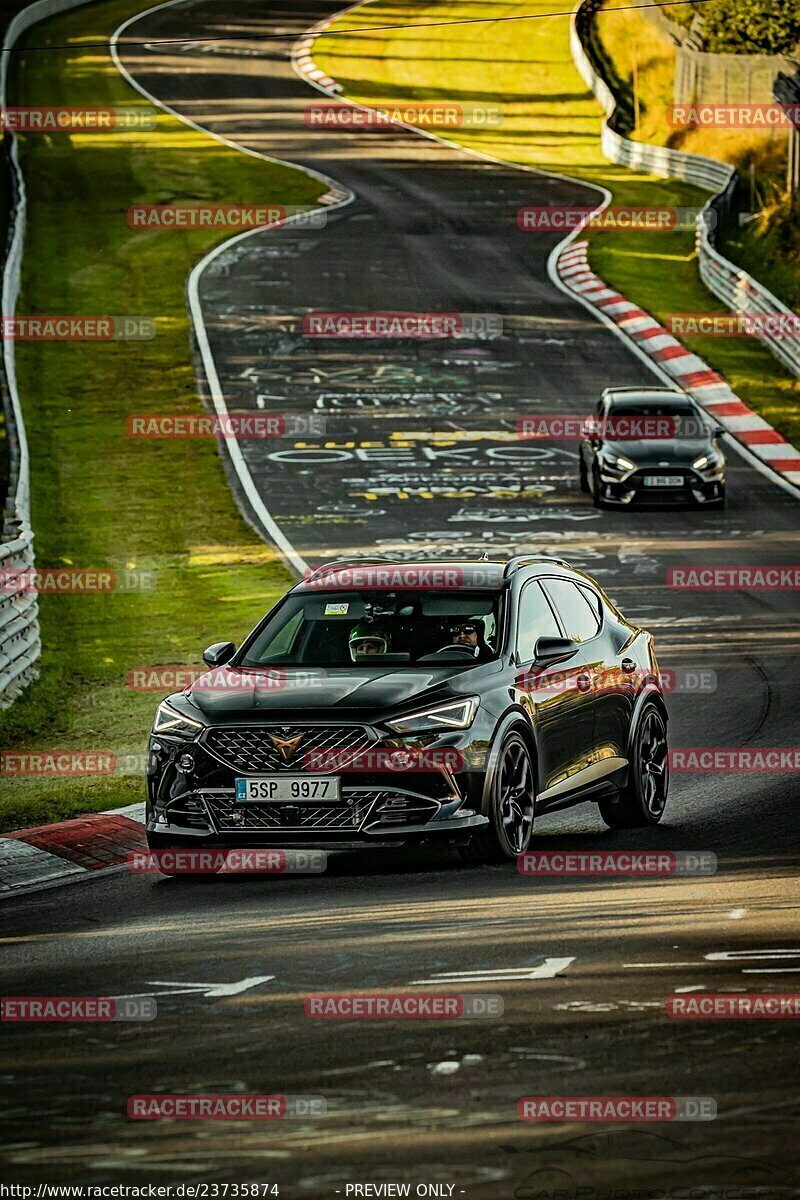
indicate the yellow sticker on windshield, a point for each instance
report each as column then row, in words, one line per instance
column 336, row 610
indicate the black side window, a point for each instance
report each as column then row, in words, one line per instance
column 534, row 620
column 578, row 617
column 594, row 601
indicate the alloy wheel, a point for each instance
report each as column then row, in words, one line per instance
column 653, row 764
column 515, row 802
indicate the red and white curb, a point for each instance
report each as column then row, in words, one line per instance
column 689, row 372
column 767, row 449
column 49, row 854
column 305, row 63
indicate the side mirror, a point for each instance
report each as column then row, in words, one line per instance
column 219, row 653
column 553, row 649
column 719, row 431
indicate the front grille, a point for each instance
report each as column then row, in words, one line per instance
column 230, row 816
column 249, row 748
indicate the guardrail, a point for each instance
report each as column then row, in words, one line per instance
column 20, row 641
column 738, row 290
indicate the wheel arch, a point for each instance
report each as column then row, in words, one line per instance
column 652, row 694
column 517, row 721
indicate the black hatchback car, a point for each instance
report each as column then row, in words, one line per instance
column 651, row 446
column 391, row 703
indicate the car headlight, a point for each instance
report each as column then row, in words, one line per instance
column 169, row 720
column 619, row 462
column 707, row 462
column 459, row 715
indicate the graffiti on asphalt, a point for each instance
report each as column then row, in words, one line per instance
column 434, row 404
column 523, row 516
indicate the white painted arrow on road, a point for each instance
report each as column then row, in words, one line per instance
column 212, row 990
column 547, row 969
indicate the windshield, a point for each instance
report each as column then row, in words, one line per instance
column 367, row 629
column 681, row 420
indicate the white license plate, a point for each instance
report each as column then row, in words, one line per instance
column 289, row 789
column 663, row 481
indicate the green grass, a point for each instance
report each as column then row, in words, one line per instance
column 551, row 122
column 100, row 498
column 768, row 248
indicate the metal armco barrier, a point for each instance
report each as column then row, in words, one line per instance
column 729, row 283
column 20, row 641
column 20, row 644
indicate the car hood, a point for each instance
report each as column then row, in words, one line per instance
column 229, row 694
column 672, row 452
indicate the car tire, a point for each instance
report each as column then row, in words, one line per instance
column 511, row 806
column 717, row 503
column 597, row 499
column 583, row 478
column 643, row 799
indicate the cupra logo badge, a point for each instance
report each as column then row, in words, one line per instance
column 286, row 746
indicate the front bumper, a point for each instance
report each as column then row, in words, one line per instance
column 693, row 489
column 197, row 806
column 352, row 822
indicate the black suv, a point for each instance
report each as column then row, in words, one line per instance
column 651, row 445
column 397, row 702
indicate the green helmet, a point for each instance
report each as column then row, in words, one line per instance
column 367, row 639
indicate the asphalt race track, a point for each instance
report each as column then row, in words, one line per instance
column 434, row 229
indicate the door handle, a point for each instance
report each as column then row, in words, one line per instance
column 628, row 664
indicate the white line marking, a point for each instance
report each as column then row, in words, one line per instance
column 665, row 964
column 212, row 990
column 552, row 272
column 544, row 970
column 604, row 202
column 263, row 515
column 745, row 955
column 237, row 459
column 770, row 970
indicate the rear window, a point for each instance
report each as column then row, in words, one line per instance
column 647, row 409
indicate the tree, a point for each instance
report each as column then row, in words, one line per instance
column 754, row 27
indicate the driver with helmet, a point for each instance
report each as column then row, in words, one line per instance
column 366, row 639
